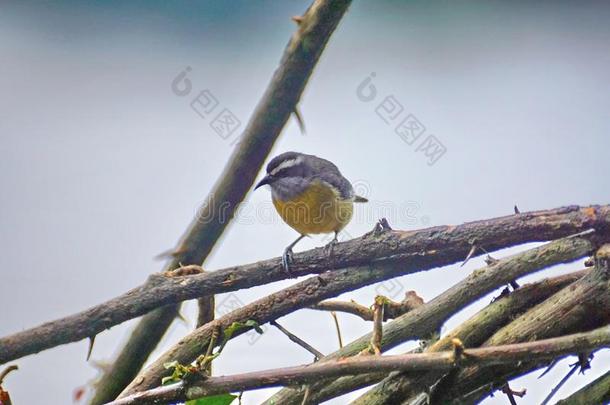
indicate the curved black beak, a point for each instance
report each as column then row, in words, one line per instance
column 266, row 180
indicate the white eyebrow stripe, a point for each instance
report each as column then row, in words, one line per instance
column 286, row 164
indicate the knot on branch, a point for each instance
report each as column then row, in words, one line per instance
column 182, row 271
column 458, row 349
column 602, row 260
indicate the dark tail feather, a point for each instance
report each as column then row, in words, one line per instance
column 359, row 199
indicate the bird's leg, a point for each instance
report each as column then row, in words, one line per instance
column 330, row 246
column 287, row 256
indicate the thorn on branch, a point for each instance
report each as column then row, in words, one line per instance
column 472, row 251
column 584, row 362
column 380, row 227
column 490, row 261
column 170, row 254
column 90, row 349
column 504, row 293
column 182, row 319
column 322, row 282
column 299, row 118
column 297, row 19
column 511, row 394
column 549, row 368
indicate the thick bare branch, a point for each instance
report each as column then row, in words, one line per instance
column 507, row 354
column 403, row 252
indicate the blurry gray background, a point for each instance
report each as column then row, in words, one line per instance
column 102, row 166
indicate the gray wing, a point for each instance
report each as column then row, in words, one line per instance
column 340, row 183
column 328, row 172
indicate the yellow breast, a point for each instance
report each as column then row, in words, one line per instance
column 319, row 209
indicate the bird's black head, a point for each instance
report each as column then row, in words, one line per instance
column 288, row 164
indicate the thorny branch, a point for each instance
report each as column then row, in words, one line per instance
column 486, row 356
column 374, row 257
column 402, row 251
column 421, row 322
column 314, row 290
column 472, row 333
column 585, row 304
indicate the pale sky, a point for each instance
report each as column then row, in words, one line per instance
column 103, row 166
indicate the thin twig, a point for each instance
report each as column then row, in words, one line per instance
column 510, row 393
column 560, row 384
column 344, row 306
column 205, row 363
column 392, row 309
column 306, row 395
column 298, row 340
column 338, row 329
column 6, row 371
column 377, row 325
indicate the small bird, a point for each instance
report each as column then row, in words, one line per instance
column 311, row 195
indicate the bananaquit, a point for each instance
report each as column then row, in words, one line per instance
column 310, row 195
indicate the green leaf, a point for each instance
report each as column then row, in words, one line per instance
column 224, row 399
column 180, row 372
column 235, row 327
column 171, row 364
